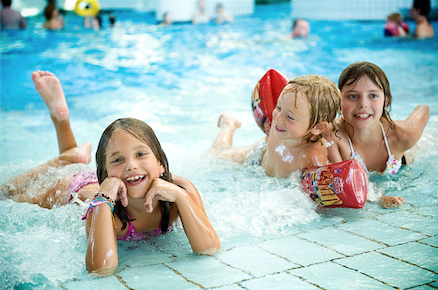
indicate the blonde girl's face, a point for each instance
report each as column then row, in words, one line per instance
column 362, row 103
column 133, row 162
column 291, row 116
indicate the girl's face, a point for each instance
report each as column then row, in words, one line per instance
column 133, row 162
column 291, row 116
column 362, row 103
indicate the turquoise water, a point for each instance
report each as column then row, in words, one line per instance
column 179, row 79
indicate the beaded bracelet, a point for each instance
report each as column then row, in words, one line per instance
column 100, row 198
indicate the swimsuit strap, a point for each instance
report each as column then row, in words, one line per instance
column 386, row 141
column 349, row 141
column 355, row 155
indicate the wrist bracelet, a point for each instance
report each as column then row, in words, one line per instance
column 100, row 198
column 103, row 196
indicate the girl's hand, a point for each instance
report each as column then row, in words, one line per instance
column 161, row 190
column 115, row 189
column 391, row 201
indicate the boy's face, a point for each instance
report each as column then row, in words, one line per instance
column 291, row 116
column 362, row 103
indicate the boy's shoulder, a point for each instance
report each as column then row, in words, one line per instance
column 313, row 154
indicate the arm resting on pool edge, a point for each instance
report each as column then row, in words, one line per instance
column 410, row 130
column 101, row 257
column 201, row 234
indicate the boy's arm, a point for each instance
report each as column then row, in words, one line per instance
column 313, row 155
column 333, row 152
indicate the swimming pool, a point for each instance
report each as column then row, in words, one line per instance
column 179, row 79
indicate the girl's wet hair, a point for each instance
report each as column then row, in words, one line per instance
column 48, row 11
column 324, row 100
column 355, row 71
column 145, row 134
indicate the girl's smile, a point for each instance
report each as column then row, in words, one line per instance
column 134, row 180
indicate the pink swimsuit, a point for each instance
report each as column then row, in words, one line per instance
column 80, row 180
column 133, row 235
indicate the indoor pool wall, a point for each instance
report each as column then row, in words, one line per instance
column 179, row 79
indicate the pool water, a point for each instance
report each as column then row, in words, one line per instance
column 179, row 79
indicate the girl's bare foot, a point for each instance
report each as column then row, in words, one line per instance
column 226, row 119
column 80, row 154
column 391, row 201
column 49, row 87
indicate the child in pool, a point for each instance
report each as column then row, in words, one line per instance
column 54, row 19
column 305, row 108
column 133, row 171
column 395, row 26
column 135, row 181
column 366, row 131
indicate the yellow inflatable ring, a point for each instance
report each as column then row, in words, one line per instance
column 82, row 10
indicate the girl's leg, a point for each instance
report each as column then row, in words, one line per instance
column 49, row 87
column 26, row 187
column 53, row 196
column 228, row 125
column 22, row 187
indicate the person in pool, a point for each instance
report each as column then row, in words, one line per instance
column 305, row 108
column 300, row 28
column 133, row 194
column 200, row 16
column 419, row 12
column 54, row 20
column 366, row 131
column 395, row 26
column 10, row 19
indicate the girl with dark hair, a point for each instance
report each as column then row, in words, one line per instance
column 366, row 131
column 136, row 184
column 133, row 194
column 54, row 19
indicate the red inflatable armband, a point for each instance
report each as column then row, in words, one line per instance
column 343, row 184
column 264, row 98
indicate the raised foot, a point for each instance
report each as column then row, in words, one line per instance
column 49, row 88
column 226, row 119
column 80, row 154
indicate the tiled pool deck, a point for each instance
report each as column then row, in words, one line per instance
column 376, row 249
